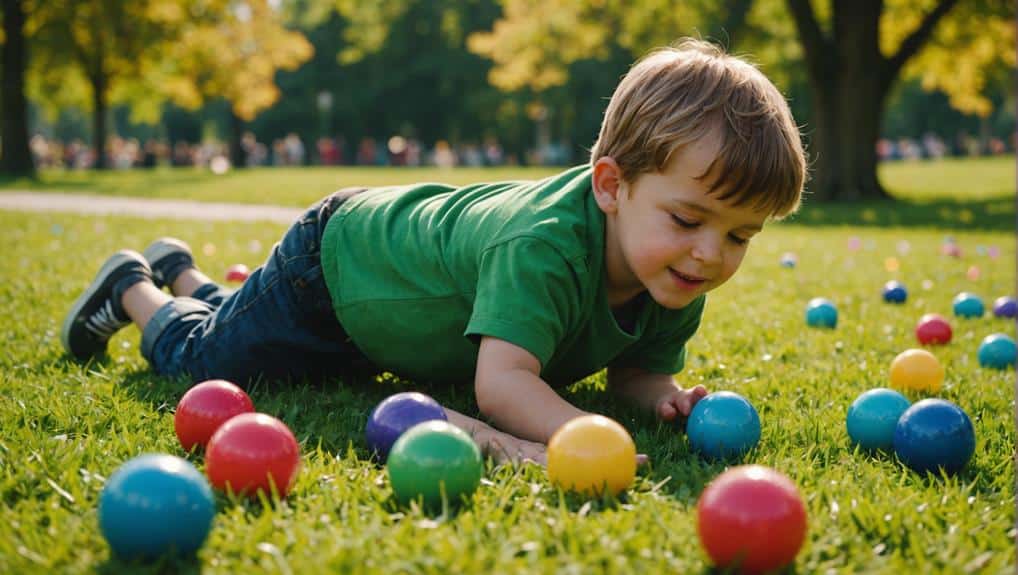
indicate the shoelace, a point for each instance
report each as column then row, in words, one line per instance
column 104, row 323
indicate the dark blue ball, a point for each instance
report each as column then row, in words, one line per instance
column 873, row 416
column 934, row 434
column 722, row 425
column 1005, row 306
column 155, row 504
column 820, row 312
column 396, row 414
column 895, row 292
column 997, row 351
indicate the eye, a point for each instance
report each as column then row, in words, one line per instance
column 684, row 223
column 737, row 240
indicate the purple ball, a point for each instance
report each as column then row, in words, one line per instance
column 1005, row 306
column 396, row 414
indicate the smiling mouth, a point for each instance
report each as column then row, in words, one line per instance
column 686, row 281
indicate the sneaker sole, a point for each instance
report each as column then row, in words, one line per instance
column 163, row 247
column 115, row 261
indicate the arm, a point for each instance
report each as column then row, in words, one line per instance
column 495, row 444
column 657, row 392
column 511, row 394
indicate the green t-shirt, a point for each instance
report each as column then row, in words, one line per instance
column 418, row 273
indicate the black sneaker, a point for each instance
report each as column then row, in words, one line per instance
column 168, row 257
column 97, row 314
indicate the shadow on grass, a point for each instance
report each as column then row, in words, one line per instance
column 984, row 215
column 166, row 564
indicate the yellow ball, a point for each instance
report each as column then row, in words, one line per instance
column 917, row 369
column 592, row 455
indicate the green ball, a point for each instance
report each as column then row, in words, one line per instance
column 433, row 457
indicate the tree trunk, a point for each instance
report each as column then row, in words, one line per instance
column 849, row 80
column 238, row 156
column 99, row 121
column 15, row 156
column 849, row 103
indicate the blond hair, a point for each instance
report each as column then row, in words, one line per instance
column 677, row 95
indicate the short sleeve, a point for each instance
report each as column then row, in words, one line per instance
column 527, row 294
column 662, row 349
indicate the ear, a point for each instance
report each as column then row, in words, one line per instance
column 607, row 184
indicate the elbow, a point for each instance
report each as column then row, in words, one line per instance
column 487, row 400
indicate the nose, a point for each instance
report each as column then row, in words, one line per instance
column 707, row 249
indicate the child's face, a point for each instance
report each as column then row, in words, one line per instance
column 667, row 236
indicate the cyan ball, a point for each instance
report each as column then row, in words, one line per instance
column 997, row 351
column 820, row 312
column 895, row 292
column 723, row 425
column 934, row 434
column 873, row 416
column 156, row 504
column 968, row 305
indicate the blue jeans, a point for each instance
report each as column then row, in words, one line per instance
column 279, row 324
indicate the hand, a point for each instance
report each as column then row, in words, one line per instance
column 679, row 403
column 505, row 448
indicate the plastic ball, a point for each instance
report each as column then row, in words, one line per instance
column 997, row 351
column 396, row 414
column 1005, row 306
column 821, row 312
column 253, row 452
column 751, row 519
column 933, row 329
column 153, row 505
column 237, row 273
column 917, row 369
column 872, row 417
column 434, row 459
column 789, row 260
column 934, row 434
column 895, row 292
column 723, row 425
column 968, row 305
column 592, row 455
column 204, row 408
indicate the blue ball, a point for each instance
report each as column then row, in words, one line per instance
column 968, row 305
column 155, row 504
column 722, row 425
column 934, row 434
column 1005, row 306
column 997, row 351
column 895, row 292
column 873, row 416
column 396, row 414
column 820, row 312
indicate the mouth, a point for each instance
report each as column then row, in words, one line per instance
column 685, row 281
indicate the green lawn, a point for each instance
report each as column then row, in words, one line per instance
column 65, row 427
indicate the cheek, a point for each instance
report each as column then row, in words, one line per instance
column 733, row 260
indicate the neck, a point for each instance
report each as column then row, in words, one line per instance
column 620, row 283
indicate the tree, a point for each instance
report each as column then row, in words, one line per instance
column 15, row 157
column 854, row 53
column 110, row 43
column 234, row 56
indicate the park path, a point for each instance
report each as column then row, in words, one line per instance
column 26, row 201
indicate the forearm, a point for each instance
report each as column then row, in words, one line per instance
column 642, row 389
column 522, row 404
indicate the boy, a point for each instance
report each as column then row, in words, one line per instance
column 516, row 286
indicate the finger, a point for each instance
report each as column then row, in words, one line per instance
column 667, row 411
column 699, row 392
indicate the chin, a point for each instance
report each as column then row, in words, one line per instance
column 671, row 300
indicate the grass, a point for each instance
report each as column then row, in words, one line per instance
column 65, row 427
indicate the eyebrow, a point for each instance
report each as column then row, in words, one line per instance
column 709, row 212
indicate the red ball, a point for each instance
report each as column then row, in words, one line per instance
column 204, row 408
column 237, row 273
column 933, row 329
column 253, row 452
column 751, row 517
